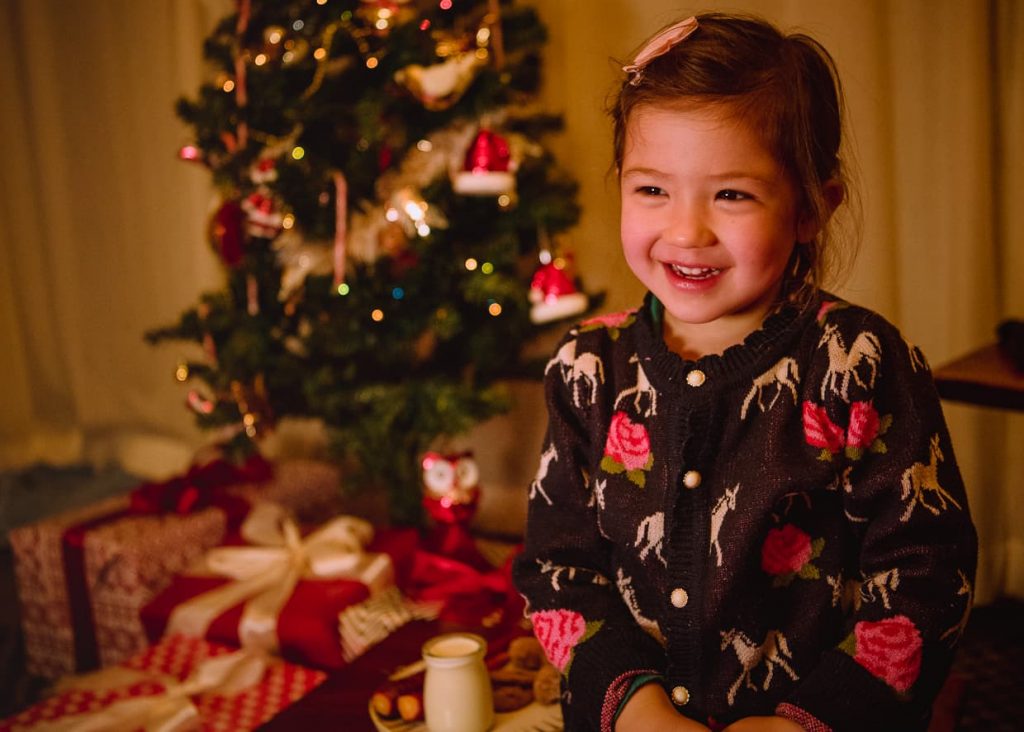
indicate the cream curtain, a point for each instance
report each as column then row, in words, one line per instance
column 101, row 228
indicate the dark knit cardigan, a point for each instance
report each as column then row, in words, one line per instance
column 779, row 529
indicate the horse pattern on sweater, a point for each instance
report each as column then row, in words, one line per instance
column 796, row 502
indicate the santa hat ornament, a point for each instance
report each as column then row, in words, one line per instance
column 263, row 171
column 553, row 293
column 262, row 217
column 487, row 167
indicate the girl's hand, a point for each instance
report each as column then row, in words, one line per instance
column 649, row 710
column 764, row 724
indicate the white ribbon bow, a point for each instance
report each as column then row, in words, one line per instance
column 170, row 711
column 266, row 574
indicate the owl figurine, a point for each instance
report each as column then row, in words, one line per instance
column 450, row 486
column 450, row 495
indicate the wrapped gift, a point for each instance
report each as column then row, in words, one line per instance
column 179, row 683
column 309, row 489
column 319, row 600
column 82, row 575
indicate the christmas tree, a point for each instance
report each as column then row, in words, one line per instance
column 388, row 222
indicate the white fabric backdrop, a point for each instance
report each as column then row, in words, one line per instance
column 102, row 228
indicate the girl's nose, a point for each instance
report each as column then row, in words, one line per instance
column 688, row 229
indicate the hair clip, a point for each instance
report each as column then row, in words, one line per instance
column 660, row 44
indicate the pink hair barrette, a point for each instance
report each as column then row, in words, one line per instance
column 660, row 44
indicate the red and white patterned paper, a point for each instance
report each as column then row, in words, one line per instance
column 176, row 657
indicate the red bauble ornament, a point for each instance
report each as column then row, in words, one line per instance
column 385, row 157
column 227, row 233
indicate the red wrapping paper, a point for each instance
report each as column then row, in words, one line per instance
column 308, row 627
column 175, row 657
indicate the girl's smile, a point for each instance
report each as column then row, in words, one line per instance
column 709, row 222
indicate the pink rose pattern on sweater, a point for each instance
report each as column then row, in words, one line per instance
column 628, row 448
column 864, row 425
column 890, row 649
column 820, row 431
column 835, row 405
column 864, row 432
column 787, row 553
column 785, row 550
column 558, row 632
column 611, row 320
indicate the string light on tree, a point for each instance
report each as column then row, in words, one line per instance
column 190, row 152
column 198, row 403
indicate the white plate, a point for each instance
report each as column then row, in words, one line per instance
column 532, row 718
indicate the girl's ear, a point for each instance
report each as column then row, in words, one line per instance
column 833, row 192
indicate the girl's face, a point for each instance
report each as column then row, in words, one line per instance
column 709, row 221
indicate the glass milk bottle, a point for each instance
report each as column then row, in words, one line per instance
column 457, row 687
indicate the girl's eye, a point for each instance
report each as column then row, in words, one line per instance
column 649, row 190
column 730, row 194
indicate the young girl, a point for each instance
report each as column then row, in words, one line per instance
column 748, row 515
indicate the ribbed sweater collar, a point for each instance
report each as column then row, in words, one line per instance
column 756, row 353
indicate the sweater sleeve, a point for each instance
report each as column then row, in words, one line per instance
column 564, row 570
column 905, row 501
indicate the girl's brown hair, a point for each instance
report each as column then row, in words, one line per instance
column 784, row 86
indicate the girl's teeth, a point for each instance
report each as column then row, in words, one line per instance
column 698, row 272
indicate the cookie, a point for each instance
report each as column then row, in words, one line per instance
column 510, row 697
column 547, row 685
column 512, row 674
column 525, row 652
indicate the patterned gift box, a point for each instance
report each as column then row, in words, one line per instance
column 82, row 609
column 324, row 622
column 83, row 575
column 157, row 670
